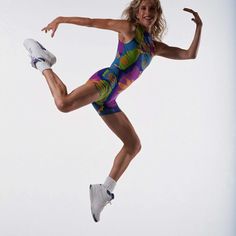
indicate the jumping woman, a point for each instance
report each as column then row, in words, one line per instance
column 139, row 33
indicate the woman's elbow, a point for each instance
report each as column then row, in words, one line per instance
column 191, row 55
column 185, row 55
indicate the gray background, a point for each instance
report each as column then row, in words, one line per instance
column 183, row 181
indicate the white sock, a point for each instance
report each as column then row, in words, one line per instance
column 41, row 66
column 110, row 184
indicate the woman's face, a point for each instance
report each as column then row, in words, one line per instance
column 147, row 13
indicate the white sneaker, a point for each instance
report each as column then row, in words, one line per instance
column 38, row 53
column 99, row 198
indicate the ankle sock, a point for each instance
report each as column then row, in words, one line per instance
column 41, row 66
column 109, row 184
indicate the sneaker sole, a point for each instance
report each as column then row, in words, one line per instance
column 91, row 198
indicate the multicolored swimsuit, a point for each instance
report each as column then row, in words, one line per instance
column 131, row 60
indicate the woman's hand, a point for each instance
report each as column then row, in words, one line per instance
column 196, row 18
column 178, row 53
column 52, row 26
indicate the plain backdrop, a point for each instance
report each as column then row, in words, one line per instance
column 183, row 181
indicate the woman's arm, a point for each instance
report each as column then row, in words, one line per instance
column 121, row 26
column 178, row 53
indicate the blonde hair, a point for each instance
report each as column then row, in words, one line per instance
column 159, row 26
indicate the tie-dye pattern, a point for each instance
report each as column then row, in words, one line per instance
column 131, row 60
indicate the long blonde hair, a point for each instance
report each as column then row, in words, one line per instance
column 159, row 26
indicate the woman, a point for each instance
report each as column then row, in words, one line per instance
column 139, row 41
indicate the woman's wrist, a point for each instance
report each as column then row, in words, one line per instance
column 199, row 23
column 60, row 19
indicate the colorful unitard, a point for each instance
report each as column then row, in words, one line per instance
column 131, row 60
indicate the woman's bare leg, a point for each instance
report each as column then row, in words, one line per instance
column 117, row 122
column 121, row 126
column 100, row 194
column 65, row 102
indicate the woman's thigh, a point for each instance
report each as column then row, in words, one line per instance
column 122, row 127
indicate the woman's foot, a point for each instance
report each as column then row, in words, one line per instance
column 99, row 198
column 41, row 58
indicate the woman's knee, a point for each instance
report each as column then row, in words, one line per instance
column 134, row 147
column 62, row 105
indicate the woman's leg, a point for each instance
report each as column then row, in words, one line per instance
column 42, row 60
column 121, row 126
column 79, row 97
column 100, row 194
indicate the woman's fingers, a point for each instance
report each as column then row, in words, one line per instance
column 44, row 29
column 50, row 27
column 196, row 18
column 189, row 10
column 53, row 32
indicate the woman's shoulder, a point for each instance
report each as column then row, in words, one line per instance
column 128, row 33
column 129, row 27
